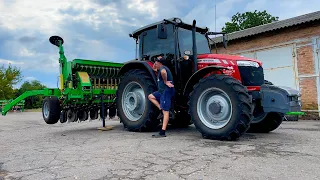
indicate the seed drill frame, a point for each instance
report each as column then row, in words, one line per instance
column 77, row 95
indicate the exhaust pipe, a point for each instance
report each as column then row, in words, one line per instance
column 194, row 47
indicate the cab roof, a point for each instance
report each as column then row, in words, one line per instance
column 137, row 32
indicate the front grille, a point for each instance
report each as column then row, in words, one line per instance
column 251, row 76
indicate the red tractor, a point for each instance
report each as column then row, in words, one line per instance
column 224, row 96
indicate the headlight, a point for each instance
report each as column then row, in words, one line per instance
column 247, row 63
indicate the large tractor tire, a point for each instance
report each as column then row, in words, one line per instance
column 135, row 110
column 51, row 109
column 220, row 108
column 266, row 122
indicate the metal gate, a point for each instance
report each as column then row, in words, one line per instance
column 278, row 64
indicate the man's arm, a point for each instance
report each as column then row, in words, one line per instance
column 164, row 77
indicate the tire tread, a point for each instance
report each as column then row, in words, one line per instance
column 244, row 104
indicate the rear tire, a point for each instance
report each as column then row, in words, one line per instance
column 51, row 109
column 234, row 105
column 135, row 110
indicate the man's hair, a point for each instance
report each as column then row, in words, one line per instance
column 161, row 60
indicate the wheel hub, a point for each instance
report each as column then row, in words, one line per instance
column 46, row 110
column 214, row 108
column 133, row 101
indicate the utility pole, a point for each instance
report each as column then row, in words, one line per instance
column 215, row 17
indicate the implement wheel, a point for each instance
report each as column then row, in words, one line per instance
column 220, row 108
column 72, row 115
column 94, row 114
column 51, row 109
column 135, row 110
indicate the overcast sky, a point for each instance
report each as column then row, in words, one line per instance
column 98, row 29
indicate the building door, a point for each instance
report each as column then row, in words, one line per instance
column 278, row 65
column 249, row 55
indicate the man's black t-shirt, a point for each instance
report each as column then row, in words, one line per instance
column 161, row 85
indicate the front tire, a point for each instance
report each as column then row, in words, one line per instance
column 270, row 122
column 51, row 110
column 220, row 108
column 135, row 111
column 265, row 122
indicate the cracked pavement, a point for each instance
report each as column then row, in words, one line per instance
column 31, row 149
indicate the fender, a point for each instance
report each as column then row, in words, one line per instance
column 198, row 75
column 134, row 64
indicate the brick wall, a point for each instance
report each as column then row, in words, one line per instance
column 302, row 37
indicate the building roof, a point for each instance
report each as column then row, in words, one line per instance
column 271, row 26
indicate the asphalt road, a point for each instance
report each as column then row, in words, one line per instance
column 31, row 149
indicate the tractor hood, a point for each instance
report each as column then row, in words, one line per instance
column 225, row 58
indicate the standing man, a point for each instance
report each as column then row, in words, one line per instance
column 162, row 97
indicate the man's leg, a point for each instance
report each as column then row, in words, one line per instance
column 165, row 120
column 165, row 104
column 155, row 99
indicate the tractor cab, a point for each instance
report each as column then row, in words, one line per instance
column 178, row 42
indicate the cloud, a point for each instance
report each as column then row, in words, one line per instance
column 91, row 29
column 30, row 78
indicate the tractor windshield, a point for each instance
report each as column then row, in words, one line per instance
column 185, row 41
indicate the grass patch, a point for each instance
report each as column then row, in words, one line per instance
column 33, row 110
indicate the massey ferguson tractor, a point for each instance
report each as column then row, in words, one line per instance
column 222, row 95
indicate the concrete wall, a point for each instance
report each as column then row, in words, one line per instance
column 305, row 42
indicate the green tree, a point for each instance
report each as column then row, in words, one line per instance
column 241, row 21
column 9, row 77
column 34, row 101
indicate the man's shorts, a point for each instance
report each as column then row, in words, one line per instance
column 165, row 98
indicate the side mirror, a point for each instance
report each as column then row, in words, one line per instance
column 224, row 41
column 162, row 31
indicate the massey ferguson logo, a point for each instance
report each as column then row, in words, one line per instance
column 229, row 71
